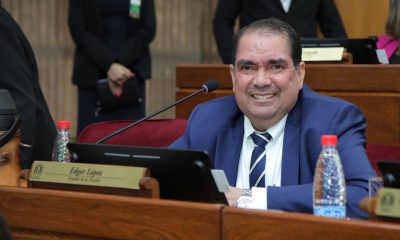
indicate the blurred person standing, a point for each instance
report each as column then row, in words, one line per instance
column 19, row 75
column 112, row 41
column 303, row 15
column 390, row 42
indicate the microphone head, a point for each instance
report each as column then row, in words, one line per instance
column 210, row 85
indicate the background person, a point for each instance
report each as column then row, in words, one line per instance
column 270, row 97
column 19, row 75
column 390, row 42
column 303, row 15
column 114, row 44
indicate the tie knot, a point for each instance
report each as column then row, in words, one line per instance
column 261, row 139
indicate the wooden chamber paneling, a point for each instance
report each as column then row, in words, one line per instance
column 288, row 226
column 52, row 214
column 363, row 18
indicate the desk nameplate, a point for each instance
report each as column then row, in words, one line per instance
column 99, row 175
column 322, row 54
column 388, row 202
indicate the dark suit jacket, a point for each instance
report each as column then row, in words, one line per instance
column 304, row 16
column 92, row 56
column 217, row 127
column 19, row 75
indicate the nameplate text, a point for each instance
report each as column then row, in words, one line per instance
column 322, row 54
column 87, row 174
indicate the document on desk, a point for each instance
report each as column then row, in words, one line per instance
column 382, row 57
column 220, row 180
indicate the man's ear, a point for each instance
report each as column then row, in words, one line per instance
column 301, row 72
column 232, row 72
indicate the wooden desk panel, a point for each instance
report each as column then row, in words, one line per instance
column 51, row 214
column 249, row 224
column 374, row 88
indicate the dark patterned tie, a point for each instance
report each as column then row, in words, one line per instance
column 258, row 158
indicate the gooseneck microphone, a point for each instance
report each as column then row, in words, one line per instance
column 209, row 86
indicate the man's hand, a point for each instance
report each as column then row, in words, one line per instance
column 233, row 195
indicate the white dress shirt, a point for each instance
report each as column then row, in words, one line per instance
column 286, row 5
column 273, row 164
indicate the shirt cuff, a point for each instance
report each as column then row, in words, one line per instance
column 259, row 197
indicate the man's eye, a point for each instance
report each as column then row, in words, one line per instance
column 247, row 68
column 277, row 67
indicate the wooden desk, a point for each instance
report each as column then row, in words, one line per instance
column 51, row 214
column 374, row 88
column 251, row 224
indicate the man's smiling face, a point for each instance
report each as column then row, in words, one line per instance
column 265, row 81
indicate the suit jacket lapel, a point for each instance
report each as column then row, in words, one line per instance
column 229, row 146
column 291, row 147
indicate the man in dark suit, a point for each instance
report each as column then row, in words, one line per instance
column 19, row 75
column 270, row 96
column 303, row 15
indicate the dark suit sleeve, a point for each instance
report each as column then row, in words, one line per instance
column 223, row 23
column 18, row 74
column 183, row 142
column 330, row 21
column 144, row 33
column 349, row 125
column 16, row 77
column 85, row 39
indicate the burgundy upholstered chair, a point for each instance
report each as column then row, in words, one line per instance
column 377, row 152
column 152, row 133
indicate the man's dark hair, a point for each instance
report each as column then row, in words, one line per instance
column 276, row 26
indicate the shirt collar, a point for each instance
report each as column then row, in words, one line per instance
column 274, row 131
column 286, row 5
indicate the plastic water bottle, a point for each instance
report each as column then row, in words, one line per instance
column 329, row 182
column 60, row 150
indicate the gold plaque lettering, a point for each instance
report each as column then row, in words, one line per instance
column 87, row 174
column 322, row 54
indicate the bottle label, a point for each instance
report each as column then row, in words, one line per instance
column 330, row 211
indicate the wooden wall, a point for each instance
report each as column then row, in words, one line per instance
column 183, row 36
column 363, row 18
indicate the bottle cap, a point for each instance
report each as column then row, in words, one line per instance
column 63, row 124
column 329, row 139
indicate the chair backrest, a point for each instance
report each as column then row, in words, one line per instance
column 378, row 152
column 153, row 133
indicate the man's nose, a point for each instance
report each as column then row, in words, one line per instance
column 262, row 78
